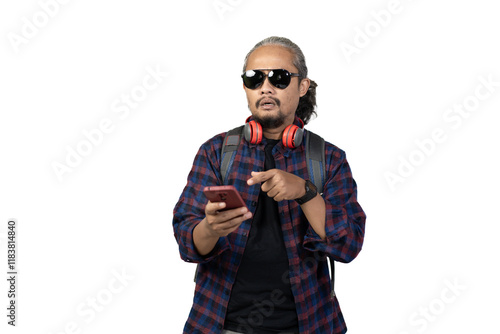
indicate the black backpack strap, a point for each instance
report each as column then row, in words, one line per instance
column 229, row 147
column 332, row 276
column 315, row 155
column 228, row 151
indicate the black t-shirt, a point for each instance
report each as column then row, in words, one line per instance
column 261, row 300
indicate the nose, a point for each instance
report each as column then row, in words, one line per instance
column 266, row 87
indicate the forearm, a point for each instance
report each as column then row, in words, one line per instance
column 315, row 212
column 203, row 241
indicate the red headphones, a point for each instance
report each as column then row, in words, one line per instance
column 292, row 135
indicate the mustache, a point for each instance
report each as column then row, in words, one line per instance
column 278, row 103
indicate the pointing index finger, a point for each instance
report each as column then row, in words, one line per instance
column 259, row 177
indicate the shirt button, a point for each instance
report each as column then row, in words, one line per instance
column 254, row 203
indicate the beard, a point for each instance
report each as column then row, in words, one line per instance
column 270, row 121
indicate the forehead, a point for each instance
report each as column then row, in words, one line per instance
column 271, row 57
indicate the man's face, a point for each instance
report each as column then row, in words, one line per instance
column 272, row 107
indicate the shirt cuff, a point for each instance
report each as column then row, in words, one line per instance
column 221, row 246
column 314, row 243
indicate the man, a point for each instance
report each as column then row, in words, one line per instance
column 263, row 267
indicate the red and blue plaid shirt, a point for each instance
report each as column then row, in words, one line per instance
column 317, row 307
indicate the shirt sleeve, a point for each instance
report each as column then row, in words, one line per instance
column 190, row 209
column 345, row 219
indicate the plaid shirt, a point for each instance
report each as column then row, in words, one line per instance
column 317, row 307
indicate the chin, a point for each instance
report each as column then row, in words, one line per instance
column 270, row 121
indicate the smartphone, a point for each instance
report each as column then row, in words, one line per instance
column 227, row 194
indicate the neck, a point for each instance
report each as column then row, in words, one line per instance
column 273, row 133
column 277, row 132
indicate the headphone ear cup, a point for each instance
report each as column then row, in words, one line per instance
column 292, row 136
column 297, row 139
column 289, row 135
column 253, row 132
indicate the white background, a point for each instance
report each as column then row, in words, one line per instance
column 112, row 213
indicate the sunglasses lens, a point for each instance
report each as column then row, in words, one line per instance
column 279, row 78
column 253, row 79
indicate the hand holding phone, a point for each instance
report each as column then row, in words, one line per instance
column 220, row 219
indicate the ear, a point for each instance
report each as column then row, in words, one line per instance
column 304, row 86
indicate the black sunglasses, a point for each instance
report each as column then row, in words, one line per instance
column 279, row 78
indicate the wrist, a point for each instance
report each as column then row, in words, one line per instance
column 303, row 191
column 205, row 231
column 203, row 242
column 310, row 191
